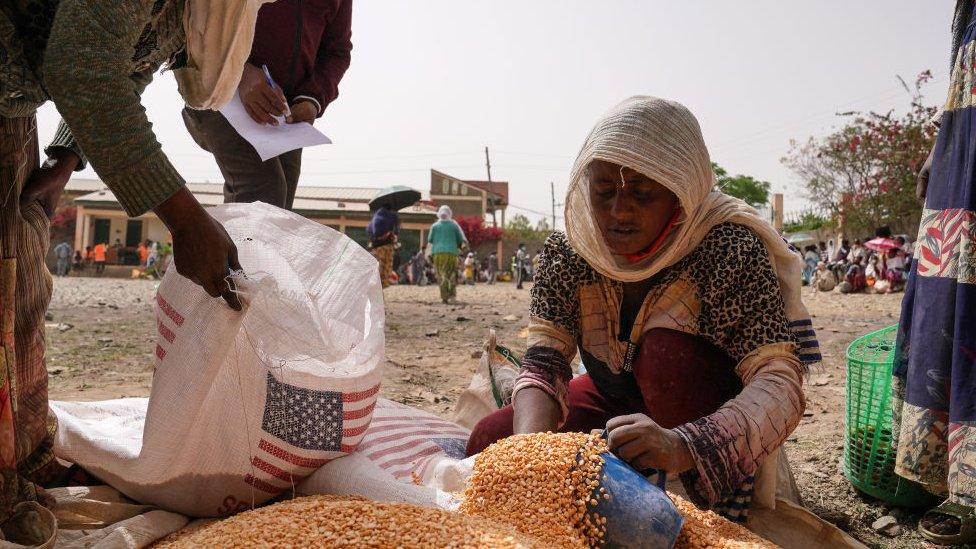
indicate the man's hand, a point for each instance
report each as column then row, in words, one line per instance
column 202, row 250
column 638, row 440
column 303, row 111
column 47, row 182
column 261, row 101
column 922, row 181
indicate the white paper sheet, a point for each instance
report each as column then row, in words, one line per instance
column 270, row 141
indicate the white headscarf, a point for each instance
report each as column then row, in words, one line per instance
column 219, row 34
column 444, row 212
column 661, row 139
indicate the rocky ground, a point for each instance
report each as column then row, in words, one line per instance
column 101, row 333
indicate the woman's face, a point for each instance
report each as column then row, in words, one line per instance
column 632, row 212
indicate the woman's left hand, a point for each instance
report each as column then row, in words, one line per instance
column 638, row 440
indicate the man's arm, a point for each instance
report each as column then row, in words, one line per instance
column 322, row 84
column 87, row 70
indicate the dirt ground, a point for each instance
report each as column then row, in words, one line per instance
column 101, row 334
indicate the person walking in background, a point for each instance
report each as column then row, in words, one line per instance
column 469, row 270
column 418, row 269
column 935, row 352
column 79, row 261
column 153, row 254
column 143, row 251
column 305, row 45
column 521, row 261
column 446, row 239
column 63, row 254
column 99, row 252
column 491, row 269
column 382, row 230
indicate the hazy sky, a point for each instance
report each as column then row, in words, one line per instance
column 433, row 82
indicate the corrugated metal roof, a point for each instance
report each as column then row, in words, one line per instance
column 314, row 192
column 204, row 193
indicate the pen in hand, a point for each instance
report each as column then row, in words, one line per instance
column 271, row 82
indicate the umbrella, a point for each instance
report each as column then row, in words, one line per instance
column 882, row 244
column 397, row 197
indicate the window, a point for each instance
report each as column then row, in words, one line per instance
column 455, row 188
column 464, row 190
column 445, row 186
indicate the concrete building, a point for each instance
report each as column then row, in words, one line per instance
column 486, row 199
column 100, row 218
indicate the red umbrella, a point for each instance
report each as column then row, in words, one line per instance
column 882, row 244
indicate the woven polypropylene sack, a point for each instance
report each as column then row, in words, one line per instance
column 244, row 405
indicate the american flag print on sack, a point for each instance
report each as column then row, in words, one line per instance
column 165, row 313
column 407, row 442
column 303, row 429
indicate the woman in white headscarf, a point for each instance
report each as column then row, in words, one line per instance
column 683, row 305
column 446, row 239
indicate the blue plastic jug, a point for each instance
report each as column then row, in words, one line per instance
column 638, row 513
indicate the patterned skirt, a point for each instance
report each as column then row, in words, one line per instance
column 935, row 361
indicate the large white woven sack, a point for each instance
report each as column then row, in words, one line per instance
column 244, row 405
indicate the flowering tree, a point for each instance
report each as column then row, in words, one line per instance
column 474, row 228
column 866, row 171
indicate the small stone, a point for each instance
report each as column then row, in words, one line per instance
column 432, row 333
column 48, row 316
column 104, row 340
column 899, row 514
column 886, row 526
column 463, row 319
column 510, row 318
column 56, row 371
column 477, row 354
column 807, row 414
column 64, row 327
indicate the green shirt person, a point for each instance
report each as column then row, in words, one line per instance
column 446, row 239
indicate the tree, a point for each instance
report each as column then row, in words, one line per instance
column 520, row 228
column 751, row 190
column 865, row 172
column 475, row 230
column 542, row 226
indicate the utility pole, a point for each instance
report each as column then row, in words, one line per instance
column 552, row 190
column 488, row 163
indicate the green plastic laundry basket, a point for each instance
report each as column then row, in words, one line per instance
column 869, row 454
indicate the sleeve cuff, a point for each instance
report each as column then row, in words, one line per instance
column 63, row 139
column 705, row 482
column 318, row 105
column 144, row 186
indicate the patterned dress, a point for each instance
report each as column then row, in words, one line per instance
column 726, row 292
column 935, row 364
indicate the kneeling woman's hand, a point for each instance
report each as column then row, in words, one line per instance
column 638, row 440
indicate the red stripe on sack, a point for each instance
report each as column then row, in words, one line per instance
column 348, row 448
column 419, row 468
column 432, row 449
column 164, row 330
column 394, row 449
column 160, row 352
column 262, row 485
column 397, row 436
column 361, row 395
column 436, row 427
column 284, row 455
column 355, row 431
column 169, row 310
column 356, row 414
column 381, row 418
column 272, row 470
